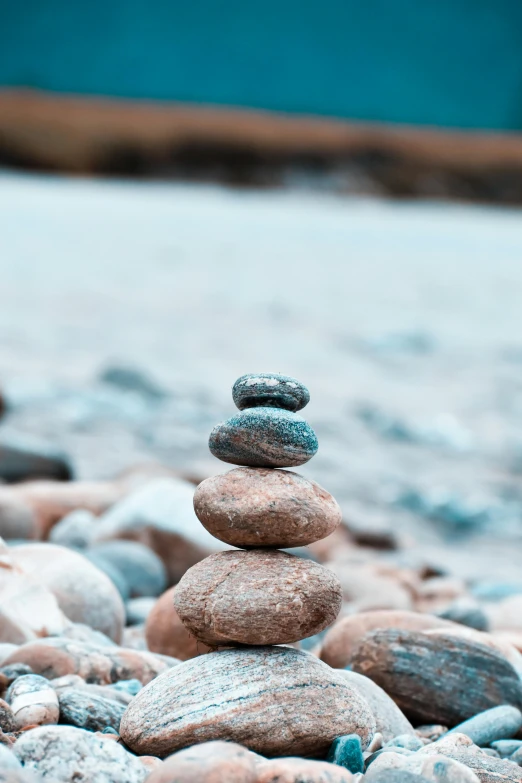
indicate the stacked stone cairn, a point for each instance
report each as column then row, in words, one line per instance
column 275, row 700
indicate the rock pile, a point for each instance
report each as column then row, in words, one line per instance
column 274, row 700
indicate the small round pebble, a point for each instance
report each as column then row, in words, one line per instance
column 62, row 754
column 33, row 701
column 506, row 747
column 209, row 762
column 408, row 741
column 347, row 752
column 256, row 597
column 501, row 722
column 89, row 711
column 256, row 507
column 271, row 390
column 264, row 438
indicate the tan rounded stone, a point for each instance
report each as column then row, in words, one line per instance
column 256, row 597
column 84, row 593
column 342, row 639
column 33, row 700
column 210, row 762
column 274, row 700
column 292, row 770
column 166, row 634
column 256, row 507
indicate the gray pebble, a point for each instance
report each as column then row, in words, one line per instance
column 138, row 610
column 110, row 570
column 491, row 752
column 497, row 723
column 396, row 776
column 264, row 438
column 14, row 670
column 89, row 711
column 466, row 612
column 388, row 749
column 141, row 568
column 8, row 761
column 271, row 390
column 516, row 757
column 127, row 686
column 506, row 747
column 408, row 741
column 75, row 530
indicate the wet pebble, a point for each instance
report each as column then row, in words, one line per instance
column 141, row 568
column 256, row 597
column 264, row 438
column 347, row 752
column 271, row 390
column 501, row 722
column 89, row 711
column 253, row 507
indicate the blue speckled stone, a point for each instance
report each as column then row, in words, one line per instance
column 269, row 389
column 347, row 752
column 264, row 438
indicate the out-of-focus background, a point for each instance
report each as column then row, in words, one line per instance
column 192, row 191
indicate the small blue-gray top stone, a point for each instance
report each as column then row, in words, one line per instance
column 264, row 438
column 346, row 752
column 270, row 390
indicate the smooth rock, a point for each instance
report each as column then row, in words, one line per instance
column 346, row 634
column 74, row 530
column 297, row 770
column 161, row 516
column 210, row 762
column 56, row 657
column 390, row 721
column 138, row 610
column 166, row 634
column 142, row 569
column 11, row 672
column 62, row 754
column 134, row 637
column 347, row 752
column 270, row 390
column 366, row 588
column 273, row 700
column 505, row 614
column 73, row 682
column 264, row 438
column 408, row 741
column 516, row 757
column 431, row 732
column 89, row 711
column 439, row 678
column 8, row 762
column 256, row 597
column 110, row 570
column 506, row 747
column 17, row 517
column 33, row 701
column 83, row 633
column 498, row 723
column 467, row 612
column 23, row 458
column 257, row 507
column 486, row 768
column 429, row 767
column 84, row 593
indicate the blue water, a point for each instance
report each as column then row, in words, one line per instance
column 441, row 62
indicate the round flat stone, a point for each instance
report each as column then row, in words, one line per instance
column 256, row 597
column 264, row 438
column 273, row 700
column 270, row 389
column 256, row 507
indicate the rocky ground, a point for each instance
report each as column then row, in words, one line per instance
column 127, row 312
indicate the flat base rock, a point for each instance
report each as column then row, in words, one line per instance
column 276, row 701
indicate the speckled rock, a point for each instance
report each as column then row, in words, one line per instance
column 296, row 770
column 142, row 569
column 161, row 516
column 273, row 700
column 343, row 638
column 439, row 678
column 256, row 597
column 56, row 657
column 428, row 767
column 166, row 634
column 249, row 507
column 264, row 438
column 7, row 719
column 487, row 769
column 501, row 722
column 271, row 390
column 389, row 719
column 33, row 701
column 84, row 593
column 62, row 754
column 90, row 711
column 73, row 682
column 210, row 762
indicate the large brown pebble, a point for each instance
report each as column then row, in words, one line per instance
column 274, row 700
column 166, row 634
column 301, row 771
column 437, row 678
column 343, row 638
column 389, row 719
column 210, row 762
column 56, row 657
column 84, row 593
column 257, row 597
column 256, row 507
